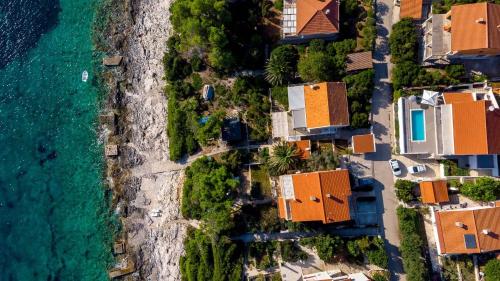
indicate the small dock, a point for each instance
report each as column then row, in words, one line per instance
column 111, row 150
column 121, row 271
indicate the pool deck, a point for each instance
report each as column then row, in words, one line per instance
column 428, row 146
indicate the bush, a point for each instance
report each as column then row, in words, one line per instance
column 411, row 245
column 492, row 270
column 403, row 41
column 326, row 246
column 404, row 190
column 485, row 189
column 197, row 81
column 196, row 62
column 378, row 257
column 211, row 130
column 369, row 31
column 322, row 161
column 404, row 74
column 455, row 71
column 290, row 252
column 379, row 277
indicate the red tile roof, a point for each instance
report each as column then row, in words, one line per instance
column 363, row 143
column 411, row 9
column 474, row 28
column 326, row 105
column 434, row 192
column 321, row 196
column 304, row 146
column 450, row 98
column 475, row 222
column 317, row 16
column 476, row 128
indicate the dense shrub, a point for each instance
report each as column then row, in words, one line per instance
column 211, row 130
column 359, row 92
column 208, row 194
column 369, row 31
column 404, row 190
column 208, row 258
column 492, row 270
column 263, row 254
column 291, row 252
column 485, row 189
column 403, row 41
column 455, row 71
column 322, row 161
column 315, row 67
column 404, row 74
column 326, row 246
column 411, row 245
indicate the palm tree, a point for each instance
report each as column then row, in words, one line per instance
column 284, row 158
column 277, row 71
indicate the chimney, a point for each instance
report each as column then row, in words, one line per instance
column 329, row 195
column 481, row 20
column 447, row 27
column 491, row 108
column 486, row 231
column 459, row 224
column 327, row 11
column 313, row 198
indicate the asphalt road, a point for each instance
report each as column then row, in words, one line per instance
column 382, row 111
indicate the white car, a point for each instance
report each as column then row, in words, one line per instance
column 396, row 170
column 417, row 169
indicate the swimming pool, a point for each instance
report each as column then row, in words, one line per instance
column 417, row 125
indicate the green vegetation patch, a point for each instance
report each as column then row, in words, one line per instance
column 484, row 189
column 404, row 190
column 451, row 168
column 210, row 258
column 260, row 182
column 450, row 272
column 412, row 244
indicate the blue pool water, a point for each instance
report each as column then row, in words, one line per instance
column 417, row 125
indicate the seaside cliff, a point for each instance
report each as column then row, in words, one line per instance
column 142, row 178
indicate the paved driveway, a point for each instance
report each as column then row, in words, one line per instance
column 381, row 110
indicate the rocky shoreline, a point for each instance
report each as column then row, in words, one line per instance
column 134, row 119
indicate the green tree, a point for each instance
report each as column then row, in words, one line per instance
column 211, row 129
column 207, row 194
column 492, row 270
column 403, row 41
column 404, row 190
column 284, row 157
column 378, row 257
column 322, row 161
column 404, row 74
column 455, row 71
column 353, row 249
column 485, row 189
column 290, row 252
column 315, row 67
column 282, row 65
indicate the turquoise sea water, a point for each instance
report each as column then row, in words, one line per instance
column 54, row 216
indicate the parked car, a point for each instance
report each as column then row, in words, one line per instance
column 397, row 2
column 417, row 169
column 365, row 181
column 396, row 170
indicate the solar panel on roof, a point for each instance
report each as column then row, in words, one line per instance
column 470, row 241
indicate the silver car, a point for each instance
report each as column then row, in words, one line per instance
column 396, row 170
column 417, row 169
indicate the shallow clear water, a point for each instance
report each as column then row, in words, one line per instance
column 54, row 216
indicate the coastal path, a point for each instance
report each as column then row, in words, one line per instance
column 381, row 120
column 158, row 167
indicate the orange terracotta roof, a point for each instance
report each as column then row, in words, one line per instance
column 317, row 17
column 474, row 28
column 434, row 192
column 359, row 61
column 411, row 9
column 326, row 105
column 363, row 143
column 469, row 128
column 321, row 196
column 304, row 147
column 281, row 208
column 450, row 98
column 451, row 236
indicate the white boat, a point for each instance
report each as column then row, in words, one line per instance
column 85, row 76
